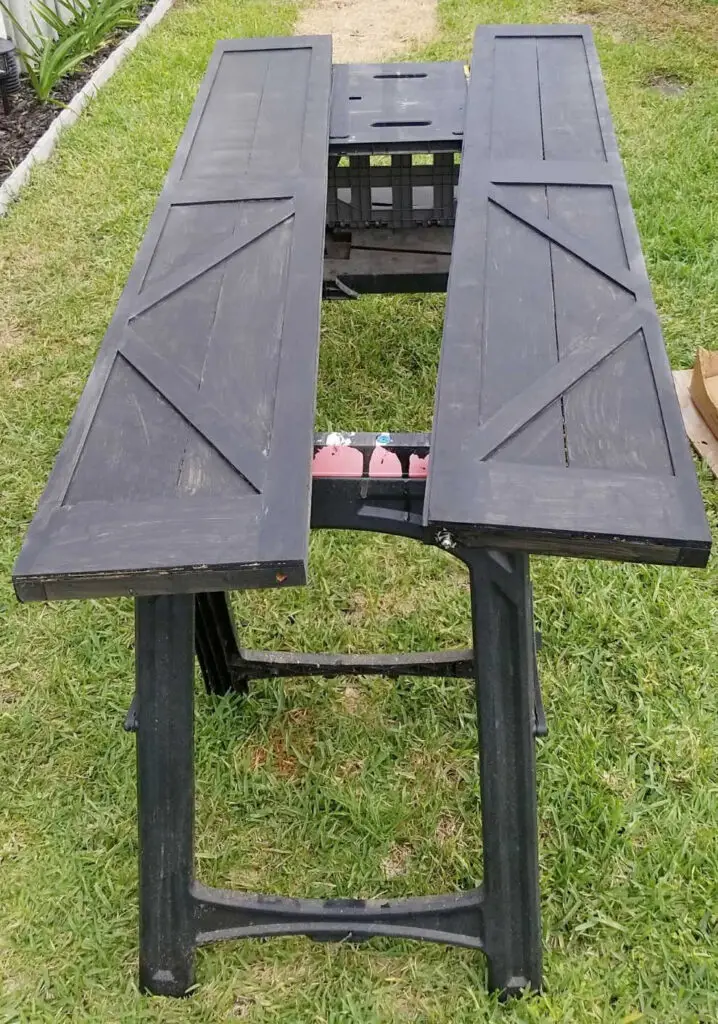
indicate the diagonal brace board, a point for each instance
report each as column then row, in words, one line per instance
column 513, row 416
column 588, row 254
column 266, row 220
column 197, row 411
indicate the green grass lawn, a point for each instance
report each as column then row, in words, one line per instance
column 367, row 788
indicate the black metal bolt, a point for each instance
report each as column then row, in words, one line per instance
column 9, row 72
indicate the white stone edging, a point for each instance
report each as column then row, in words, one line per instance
column 47, row 142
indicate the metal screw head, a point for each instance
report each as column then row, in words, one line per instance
column 445, row 540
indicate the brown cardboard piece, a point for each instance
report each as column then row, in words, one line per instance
column 704, row 387
column 699, row 433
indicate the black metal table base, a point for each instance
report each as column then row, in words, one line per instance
column 502, row 918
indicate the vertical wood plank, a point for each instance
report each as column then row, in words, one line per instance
column 518, row 293
column 571, row 128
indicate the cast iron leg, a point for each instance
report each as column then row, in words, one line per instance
column 504, row 651
column 164, row 634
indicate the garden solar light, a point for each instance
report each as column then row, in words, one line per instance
column 9, row 72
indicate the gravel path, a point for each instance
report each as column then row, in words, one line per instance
column 366, row 31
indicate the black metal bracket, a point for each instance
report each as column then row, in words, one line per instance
column 335, row 288
column 132, row 718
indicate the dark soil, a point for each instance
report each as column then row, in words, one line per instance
column 29, row 118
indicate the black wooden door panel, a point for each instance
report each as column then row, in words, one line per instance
column 556, row 422
column 189, row 454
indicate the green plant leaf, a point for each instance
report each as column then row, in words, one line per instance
column 48, row 15
column 90, row 24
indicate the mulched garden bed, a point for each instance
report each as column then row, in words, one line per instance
column 29, row 119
